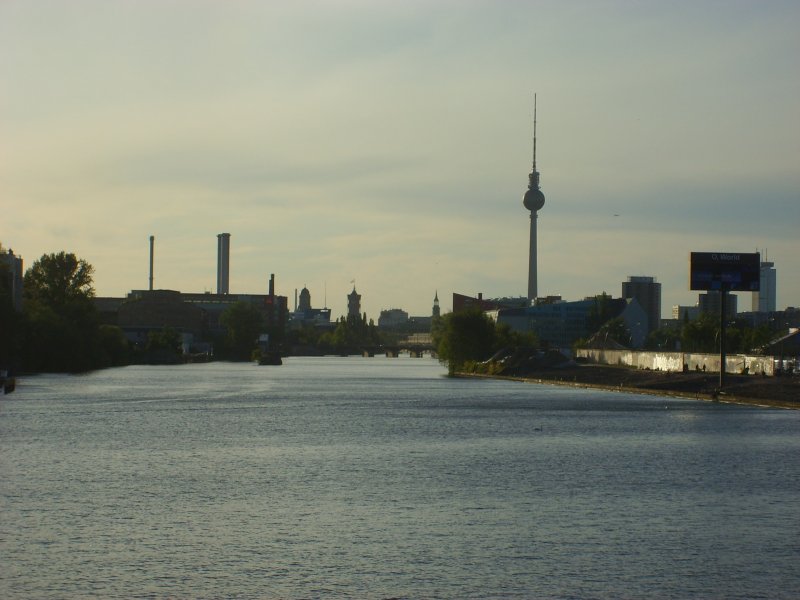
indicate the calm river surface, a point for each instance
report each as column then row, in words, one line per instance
column 377, row 478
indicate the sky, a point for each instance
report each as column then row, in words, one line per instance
column 389, row 143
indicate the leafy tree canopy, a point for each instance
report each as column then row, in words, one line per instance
column 244, row 321
column 617, row 331
column 600, row 312
column 57, row 280
column 463, row 336
column 60, row 323
column 352, row 334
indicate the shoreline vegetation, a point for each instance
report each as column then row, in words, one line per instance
column 472, row 345
column 754, row 390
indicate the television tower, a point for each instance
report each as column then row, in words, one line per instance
column 533, row 200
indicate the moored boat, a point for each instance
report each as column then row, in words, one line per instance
column 270, row 358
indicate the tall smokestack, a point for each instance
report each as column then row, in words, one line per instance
column 272, row 284
column 223, row 262
column 152, row 242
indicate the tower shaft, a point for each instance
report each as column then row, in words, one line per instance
column 532, row 260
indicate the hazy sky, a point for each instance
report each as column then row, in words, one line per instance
column 390, row 143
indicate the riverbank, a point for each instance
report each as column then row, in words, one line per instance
column 780, row 392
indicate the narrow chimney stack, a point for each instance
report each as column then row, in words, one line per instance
column 223, row 262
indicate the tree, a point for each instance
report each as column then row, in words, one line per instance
column 10, row 320
column 61, row 328
column 163, row 346
column 702, row 334
column 616, row 330
column 59, row 281
column 113, row 348
column 352, row 334
column 665, row 339
column 600, row 312
column 505, row 337
column 464, row 336
column 756, row 338
column 244, row 323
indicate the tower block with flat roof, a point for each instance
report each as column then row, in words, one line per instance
column 647, row 292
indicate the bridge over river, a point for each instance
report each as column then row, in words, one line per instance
column 417, row 345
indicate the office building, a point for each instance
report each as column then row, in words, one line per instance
column 561, row 324
column 711, row 302
column 765, row 299
column 393, row 318
column 647, row 292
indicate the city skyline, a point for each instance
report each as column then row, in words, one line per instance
column 391, row 144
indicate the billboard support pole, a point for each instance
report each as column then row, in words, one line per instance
column 722, row 309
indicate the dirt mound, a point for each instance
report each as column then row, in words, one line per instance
column 524, row 360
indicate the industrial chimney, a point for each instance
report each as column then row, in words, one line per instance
column 152, row 242
column 223, row 262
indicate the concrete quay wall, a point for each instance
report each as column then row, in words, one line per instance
column 675, row 361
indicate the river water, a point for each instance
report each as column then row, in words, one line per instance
column 382, row 478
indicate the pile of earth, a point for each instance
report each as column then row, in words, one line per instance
column 519, row 361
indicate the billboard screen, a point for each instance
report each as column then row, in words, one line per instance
column 725, row 271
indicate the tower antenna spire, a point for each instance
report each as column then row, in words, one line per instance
column 534, row 132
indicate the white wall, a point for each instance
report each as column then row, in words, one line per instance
column 675, row 361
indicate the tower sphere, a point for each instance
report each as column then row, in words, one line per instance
column 533, row 199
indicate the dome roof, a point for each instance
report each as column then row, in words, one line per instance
column 533, row 199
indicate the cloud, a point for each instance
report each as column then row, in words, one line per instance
column 392, row 143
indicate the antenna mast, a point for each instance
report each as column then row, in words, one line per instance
column 533, row 178
column 534, row 133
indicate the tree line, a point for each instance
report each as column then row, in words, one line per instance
column 59, row 328
column 702, row 335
